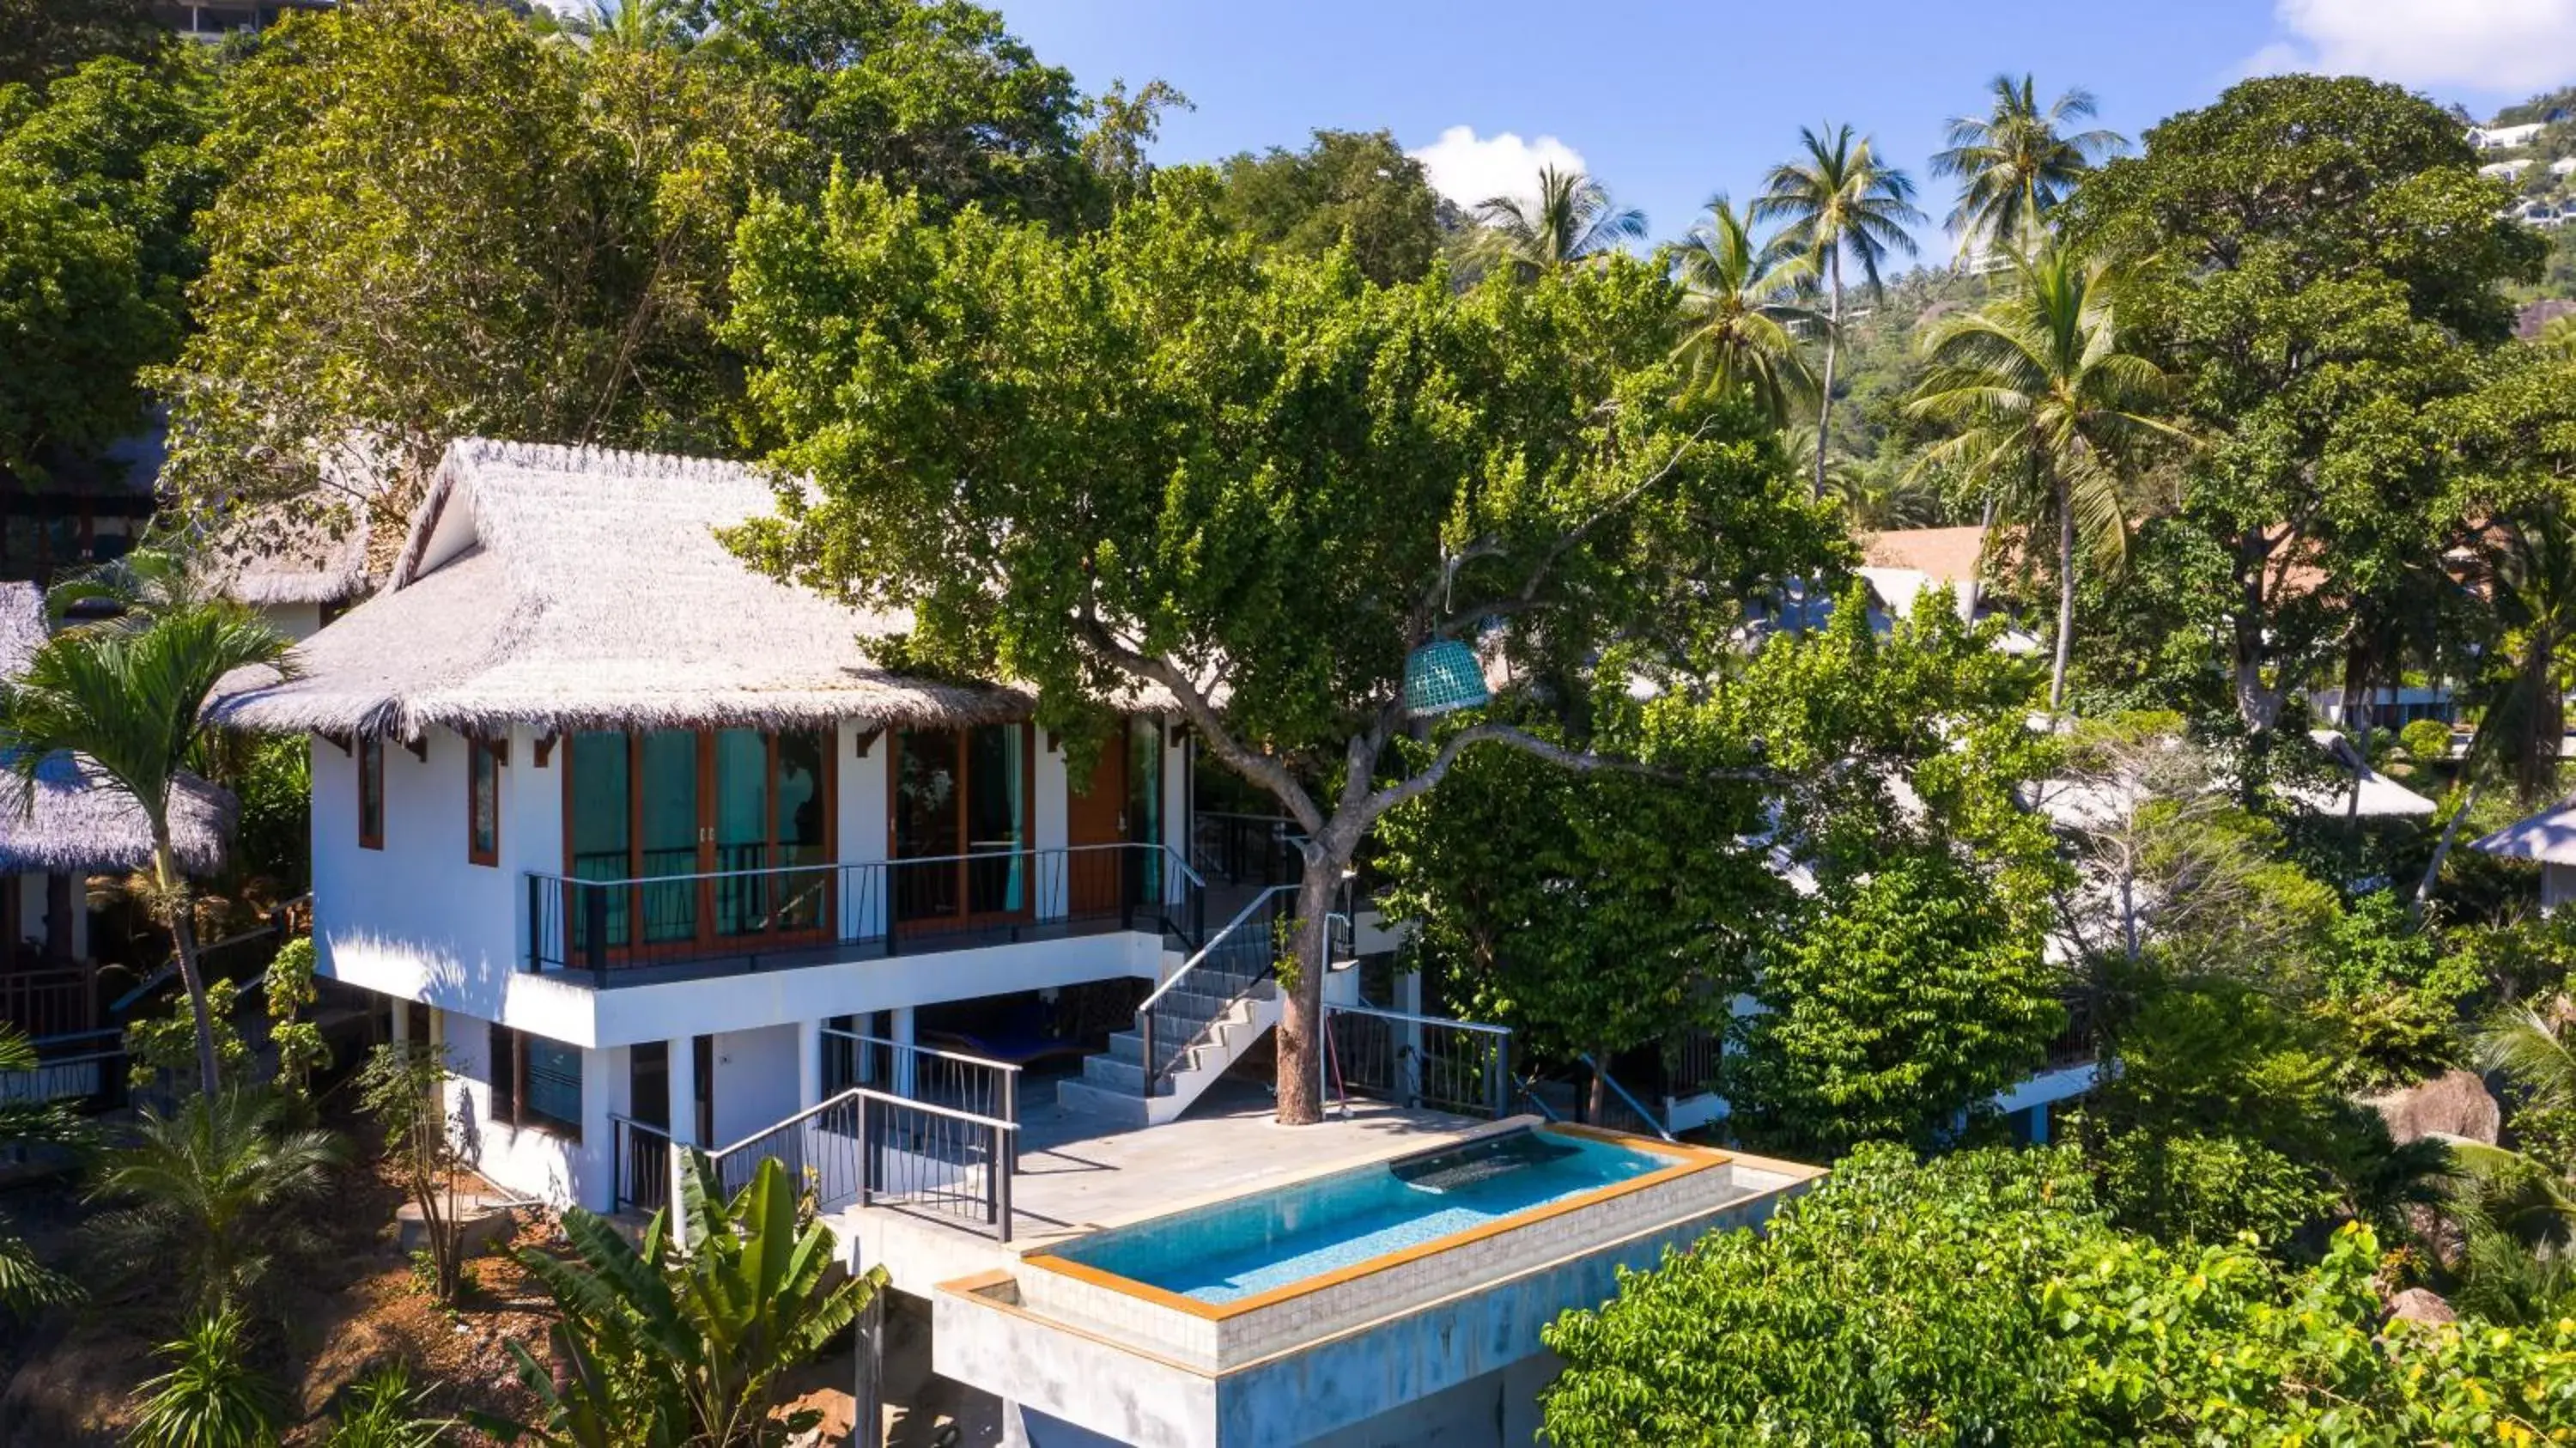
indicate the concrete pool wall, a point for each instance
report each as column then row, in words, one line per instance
column 1389, row 1351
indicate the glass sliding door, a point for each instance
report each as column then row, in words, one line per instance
column 669, row 833
column 770, row 815
column 960, row 794
column 742, row 830
column 1145, row 807
column 599, row 835
column 800, row 814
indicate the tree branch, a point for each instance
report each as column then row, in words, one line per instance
column 1580, row 761
column 1261, row 769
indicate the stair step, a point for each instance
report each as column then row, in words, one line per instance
column 1125, row 1078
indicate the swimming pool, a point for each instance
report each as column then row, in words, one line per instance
column 1233, row 1250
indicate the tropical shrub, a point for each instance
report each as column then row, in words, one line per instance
column 2425, row 739
column 383, row 1410
column 297, row 1039
column 213, row 1195
column 211, row 1397
column 403, row 1086
column 26, row 1283
column 658, row 1346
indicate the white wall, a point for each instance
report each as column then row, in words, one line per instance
column 755, row 1081
column 295, row 621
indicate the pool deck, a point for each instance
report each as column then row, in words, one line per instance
column 1079, row 1174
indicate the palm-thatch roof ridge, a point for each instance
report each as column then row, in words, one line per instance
column 83, row 821
column 560, row 588
column 313, row 550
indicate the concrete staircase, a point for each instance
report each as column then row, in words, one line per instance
column 1218, row 1012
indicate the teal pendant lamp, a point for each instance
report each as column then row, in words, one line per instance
column 1441, row 676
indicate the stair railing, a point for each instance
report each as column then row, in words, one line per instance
column 1652, row 1122
column 1251, row 936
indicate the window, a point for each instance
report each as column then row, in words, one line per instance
column 483, row 801
column 536, row 1082
column 371, row 792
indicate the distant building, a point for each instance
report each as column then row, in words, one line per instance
column 2504, row 170
column 212, row 20
column 2505, row 138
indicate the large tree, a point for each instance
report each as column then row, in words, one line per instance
column 1252, row 487
column 2314, row 254
column 47, row 37
column 1836, row 203
column 1346, row 188
column 1567, row 220
column 437, row 223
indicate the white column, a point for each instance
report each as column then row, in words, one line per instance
column 402, row 1020
column 595, row 1182
column 683, row 1105
column 809, row 1063
column 903, row 1036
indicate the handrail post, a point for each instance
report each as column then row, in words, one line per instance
column 594, row 919
column 1011, row 1113
column 1145, row 1031
column 1007, row 1154
column 867, row 1157
column 536, row 921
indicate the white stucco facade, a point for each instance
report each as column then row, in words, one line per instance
column 417, row 919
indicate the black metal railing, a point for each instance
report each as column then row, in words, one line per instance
column 808, row 913
column 870, row 1148
column 1234, row 963
column 641, row 1157
column 974, row 1084
column 1247, row 849
column 1418, row 1061
column 81, row 1068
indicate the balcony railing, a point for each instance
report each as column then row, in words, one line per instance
column 808, row 914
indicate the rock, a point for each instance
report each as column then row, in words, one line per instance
column 2417, row 1305
column 2455, row 1104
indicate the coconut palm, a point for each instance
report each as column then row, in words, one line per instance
column 1570, row 219
column 1741, row 312
column 2017, row 162
column 639, row 24
column 2046, row 410
column 133, row 700
column 1837, row 203
column 2558, row 337
column 2530, row 569
column 211, row 1192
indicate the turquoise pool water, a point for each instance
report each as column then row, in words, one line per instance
column 1235, row 1249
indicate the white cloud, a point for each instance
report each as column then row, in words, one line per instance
column 1468, row 169
column 2485, row 45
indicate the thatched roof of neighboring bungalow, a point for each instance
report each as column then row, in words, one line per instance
column 82, row 821
column 2548, row 836
column 565, row 588
column 318, row 549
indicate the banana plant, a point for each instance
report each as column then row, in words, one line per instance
column 686, row 1339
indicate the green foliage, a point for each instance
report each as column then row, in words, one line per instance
column 1742, row 317
column 1894, row 1303
column 664, row 1348
column 1346, row 188
column 383, row 1410
column 2425, row 739
column 1902, row 1000
column 2017, row 163
column 131, row 695
column 273, row 842
column 301, row 1051
column 537, row 233
column 2186, row 1188
column 211, row 1397
column 211, row 1198
column 163, row 1047
column 25, row 1283
column 47, row 37
column 2315, row 250
column 1981, row 1298
column 403, row 1086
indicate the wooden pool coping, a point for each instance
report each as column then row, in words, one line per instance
column 1688, row 1161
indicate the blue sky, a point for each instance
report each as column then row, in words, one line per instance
column 1668, row 102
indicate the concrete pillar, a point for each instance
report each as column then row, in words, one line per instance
column 595, row 1172
column 683, row 1108
column 402, row 1020
column 809, row 1063
column 903, row 1036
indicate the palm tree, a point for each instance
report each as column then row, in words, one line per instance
column 1570, row 220
column 2558, row 337
column 133, row 700
column 1837, row 203
column 2530, row 569
column 1741, row 311
column 2016, row 163
column 639, row 24
column 2047, row 410
column 212, row 1192
column 25, row 1282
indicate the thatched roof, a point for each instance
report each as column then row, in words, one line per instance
column 2549, row 836
column 564, row 588
column 82, row 820
column 312, row 550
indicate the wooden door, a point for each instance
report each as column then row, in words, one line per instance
column 1095, row 813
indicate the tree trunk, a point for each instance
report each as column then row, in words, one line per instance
column 183, row 940
column 2442, row 851
column 1977, row 572
column 1600, row 1085
column 1825, row 395
column 2065, row 596
column 1301, row 1023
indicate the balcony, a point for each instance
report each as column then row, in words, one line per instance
column 679, row 926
